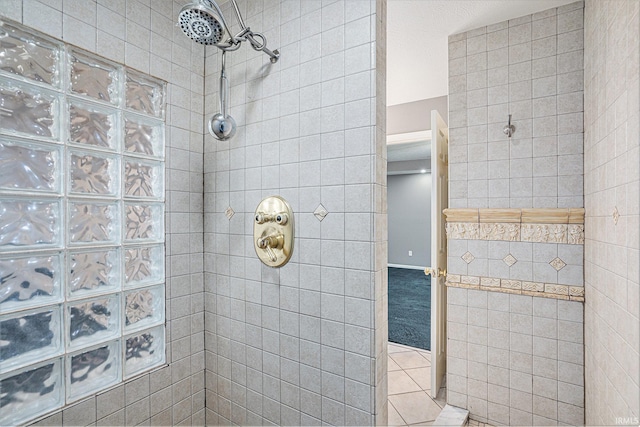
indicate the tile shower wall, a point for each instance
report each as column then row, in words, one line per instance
column 145, row 38
column 515, row 359
column 305, row 343
column 612, row 46
column 530, row 67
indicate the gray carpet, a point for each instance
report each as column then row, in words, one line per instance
column 410, row 308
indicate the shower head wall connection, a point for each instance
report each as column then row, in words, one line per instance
column 203, row 22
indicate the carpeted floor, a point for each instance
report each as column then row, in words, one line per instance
column 410, row 307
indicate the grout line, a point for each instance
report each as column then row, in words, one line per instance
column 396, row 409
column 426, row 392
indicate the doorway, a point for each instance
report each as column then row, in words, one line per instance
column 409, row 224
column 414, row 372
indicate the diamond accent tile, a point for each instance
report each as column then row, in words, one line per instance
column 320, row 212
column 468, row 257
column 616, row 215
column 229, row 212
column 557, row 263
column 509, row 260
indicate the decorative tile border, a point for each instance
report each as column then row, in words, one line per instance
column 536, row 289
column 535, row 216
column 517, row 225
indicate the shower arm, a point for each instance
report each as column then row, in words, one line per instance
column 233, row 43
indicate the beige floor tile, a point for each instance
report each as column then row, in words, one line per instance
column 410, row 360
column 400, row 382
column 392, row 365
column 415, row 407
column 425, row 354
column 422, row 377
column 397, row 348
column 394, row 417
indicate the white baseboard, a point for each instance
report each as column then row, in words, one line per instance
column 410, row 267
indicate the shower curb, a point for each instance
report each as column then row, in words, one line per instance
column 452, row 416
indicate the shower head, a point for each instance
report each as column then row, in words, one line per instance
column 202, row 22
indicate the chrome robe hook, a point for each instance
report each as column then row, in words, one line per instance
column 509, row 129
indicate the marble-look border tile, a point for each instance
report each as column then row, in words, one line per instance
column 521, row 287
column 518, row 216
column 572, row 234
column 517, row 225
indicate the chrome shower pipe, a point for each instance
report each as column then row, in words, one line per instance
column 224, row 87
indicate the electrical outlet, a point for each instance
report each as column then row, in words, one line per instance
column 410, row 253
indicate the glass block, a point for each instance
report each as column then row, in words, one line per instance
column 144, row 307
column 145, row 137
column 90, row 371
column 31, row 392
column 26, row 223
column 91, row 321
column 93, row 125
column 30, row 281
column 93, row 77
column 144, row 350
column 28, row 110
column 93, row 173
column 30, row 167
column 144, row 221
column 143, row 265
column 143, row 179
column 92, row 272
column 144, row 94
column 30, row 336
column 93, row 223
column 28, row 56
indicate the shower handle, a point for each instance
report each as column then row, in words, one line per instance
column 268, row 243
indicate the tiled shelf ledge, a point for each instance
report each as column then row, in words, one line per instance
column 517, row 225
column 536, row 289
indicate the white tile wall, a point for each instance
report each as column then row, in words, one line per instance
column 144, row 37
column 515, row 359
column 531, row 68
column 311, row 346
column 532, row 261
column 612, row 347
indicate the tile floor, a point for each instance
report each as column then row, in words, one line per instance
column 410, row 402
column 474, row 423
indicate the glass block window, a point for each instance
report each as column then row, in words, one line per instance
column 81, row 224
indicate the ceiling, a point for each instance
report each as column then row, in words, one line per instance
column 409, row 151
column 417, row 32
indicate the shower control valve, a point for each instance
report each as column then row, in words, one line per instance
column 273, row 231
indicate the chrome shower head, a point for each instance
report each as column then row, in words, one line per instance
column 202, row 22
